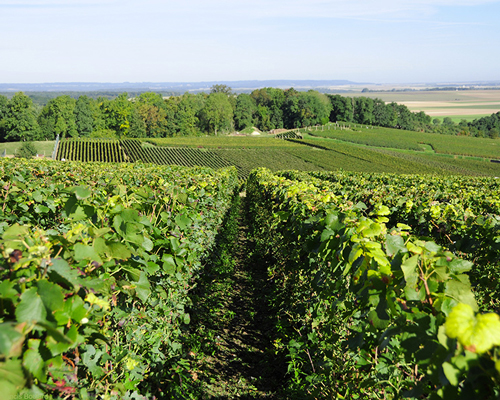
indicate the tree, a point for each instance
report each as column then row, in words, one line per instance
column 27, row 150
column 115, row 114
column 84, row 116
column 221, row 89
column 20, row 119
column 154, row 119
column 363, row 110
column 291, row 109
column 186, row 119
column 58, row 118
column 217, row 114
column 151, row 108
column 244, row 113
column 3, row 112
column 494, row 133
column 382, row 114
column 314, row 108
column 342, row 108
column 137, row 125
column 269, row 103
column 447, row 121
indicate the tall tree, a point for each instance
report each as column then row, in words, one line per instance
column 291, row 109
column 84, row 116
column 58, row 118
column 186, row 120
column 115, row 114
column 405, row 118
column 3, row 112
column 382, row 114
column 269, row 107
column 217, row 114
column 244, row 113
column 221, row 89
column 314, row 107
column 363, row 110
column 20, row 119
column 342, row 108
column 137, row 125
column 154, row 119
column 152, row 110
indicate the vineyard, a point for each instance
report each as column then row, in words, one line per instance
column 375, row 285
column 97, row 264
column 382, row 286
column 305, row 153
column 91, row 150
column 401, row 139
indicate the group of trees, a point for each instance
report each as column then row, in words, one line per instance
column 368, row 111
column 220, row 111
column 148, row 115
column 365, row 110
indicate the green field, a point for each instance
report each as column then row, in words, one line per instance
column 458, row 118
column 407, row 140
column 43, row 148
column 223, row 142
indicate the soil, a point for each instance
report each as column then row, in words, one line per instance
column 233, row 314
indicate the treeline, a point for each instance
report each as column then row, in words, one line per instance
column 365, row 110
column 43, row 97
column 218, row 112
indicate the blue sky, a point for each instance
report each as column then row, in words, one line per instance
column 379, row 41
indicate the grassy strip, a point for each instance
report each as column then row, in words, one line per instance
column 231, row 341
column 42, row 147
column 223, row 142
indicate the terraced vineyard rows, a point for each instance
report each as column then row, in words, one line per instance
column 224, row 142
column 365, row 159
column 90, row 150
column 400, row 139
column 274, row 159
column 246, row 153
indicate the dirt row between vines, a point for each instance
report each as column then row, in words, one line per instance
column 233, row 319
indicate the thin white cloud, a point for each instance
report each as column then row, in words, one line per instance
column 51, row 3
column 219, row 9
column 313, row 8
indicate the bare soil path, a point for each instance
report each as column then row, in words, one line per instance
column 232, row 317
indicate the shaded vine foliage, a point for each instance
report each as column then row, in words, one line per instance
column 96, row 264
column 367, row 307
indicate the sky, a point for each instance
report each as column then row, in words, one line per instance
column 376, row 41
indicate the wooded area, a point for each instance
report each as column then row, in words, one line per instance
column 149, row 115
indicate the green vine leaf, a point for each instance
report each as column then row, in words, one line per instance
column 31, row 308
column 477, row 334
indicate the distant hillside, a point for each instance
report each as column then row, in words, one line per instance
column 237, row 86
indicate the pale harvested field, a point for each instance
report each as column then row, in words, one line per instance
column 467, row 103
